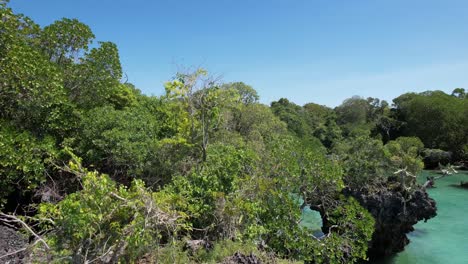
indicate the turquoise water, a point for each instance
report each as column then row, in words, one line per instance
column 311, row 219
column 443, row 239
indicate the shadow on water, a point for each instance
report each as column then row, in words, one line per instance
column 420, row 232
column 417, row 233
column 458, row 186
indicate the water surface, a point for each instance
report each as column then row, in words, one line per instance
column 443, row 239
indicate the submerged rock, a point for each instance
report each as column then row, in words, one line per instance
column 395, row 213
column 464, row 184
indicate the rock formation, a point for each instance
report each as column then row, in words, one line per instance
column 11, row 245
column 396, row 211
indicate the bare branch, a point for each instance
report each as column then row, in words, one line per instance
column 13, row 253
column 14, row 219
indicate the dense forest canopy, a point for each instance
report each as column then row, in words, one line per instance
column 203, row 173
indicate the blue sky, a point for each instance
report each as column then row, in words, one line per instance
column 321, row 51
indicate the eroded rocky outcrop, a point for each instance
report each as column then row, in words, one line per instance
column 396, row 211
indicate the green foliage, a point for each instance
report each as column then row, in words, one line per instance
column 23, row 160
column 220, row 252
column 310, row 122
column 172, row 253
column 106, row 221
column 367, row 161
column 203, row 101
column 15, row 27
column 459, row 93
column 464, row 152
column 317, row 113
column 278, row 227
column 129, row 143
column 293, row 115
column 318, row 180
column 39, row 66
column 223, row 249
column 438, row 119
column 95, row 81
column 404, row 153
column 122, row 96
column 322, row 120
column 302, row 168
column 434, row 157
column 30, row 90
column 247, row 95
column 348, row 243
column 358, row 116
column 63, row 40
column 352, row 113
column 256, row 124
column 362, row 159
column 205, row 193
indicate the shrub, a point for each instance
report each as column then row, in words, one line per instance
column 23, row 160
column 105, row 221
column 434, row 157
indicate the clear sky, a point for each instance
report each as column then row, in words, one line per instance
column 321, row 51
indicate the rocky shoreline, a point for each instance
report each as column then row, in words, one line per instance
column 395, row 216
column 12, row 241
